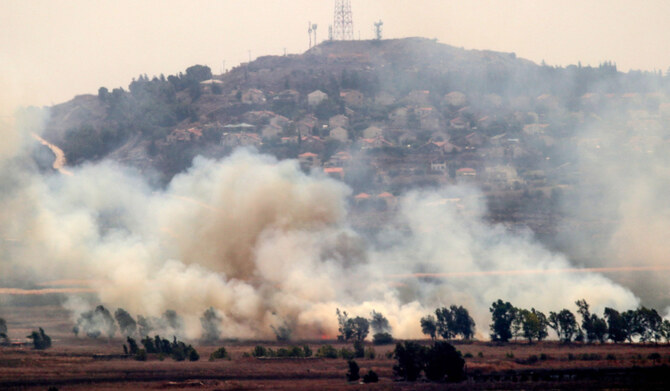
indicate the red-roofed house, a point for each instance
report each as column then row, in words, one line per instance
column 334, row 172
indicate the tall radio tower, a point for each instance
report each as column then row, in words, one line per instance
column 343, row 23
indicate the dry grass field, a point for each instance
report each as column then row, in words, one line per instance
column 86, row 364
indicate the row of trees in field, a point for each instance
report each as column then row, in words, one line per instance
column 100, row 322
column 178, row 350
column 507, row 322
column 357, row 329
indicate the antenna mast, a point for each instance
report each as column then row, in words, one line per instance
column 314, row 29
column 343, row 22
column 309, row 32
column 378, row 29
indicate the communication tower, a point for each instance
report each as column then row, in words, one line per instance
column 378, row 29
column 309, row 32
column 314, row 30
column 343, row 22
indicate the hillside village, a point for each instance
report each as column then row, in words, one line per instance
column 384, row 117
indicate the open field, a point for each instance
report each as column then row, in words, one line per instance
column 85, row 364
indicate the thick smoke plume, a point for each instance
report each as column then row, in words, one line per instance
column 262, row 243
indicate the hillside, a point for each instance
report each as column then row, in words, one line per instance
column 386, row 116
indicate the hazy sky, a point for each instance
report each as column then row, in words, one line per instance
column 51, row 50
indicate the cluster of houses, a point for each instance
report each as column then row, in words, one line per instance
column 438, row 136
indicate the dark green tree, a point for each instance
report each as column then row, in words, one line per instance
column 650, row 324
column 565, row 325
column 381, row 329
column 443, row 360
column 40, row 339
column 616, row 326
column 429, row 326
column 127, row 325
column 534, row 324
column 360, row 327
column 353, row 373
column 410, row 360
column 502, row 315
column 132, row 346
column 211, row 322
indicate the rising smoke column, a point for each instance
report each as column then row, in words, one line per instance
column 265, row 244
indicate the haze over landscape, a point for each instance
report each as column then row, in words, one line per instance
column 424, row 175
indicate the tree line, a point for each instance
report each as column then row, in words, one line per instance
column 507, row 321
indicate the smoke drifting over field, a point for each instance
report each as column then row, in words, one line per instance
column 263, row 243
column 623, row 187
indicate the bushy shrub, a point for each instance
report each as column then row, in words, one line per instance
column 443, row 360
column 382, row 339
column 141, row 355
column 346, row 354
column 326, row 351
column 353, row 373
column 438, row 362
column 307, row 351
column 370, row 353
column 410, row 360
column 218, row 354
column 259, row 351
column 370, row 377
column 192, row 354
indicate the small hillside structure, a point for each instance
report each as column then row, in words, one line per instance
column 315, row 97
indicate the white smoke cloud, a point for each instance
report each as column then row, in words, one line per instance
column 263, row 243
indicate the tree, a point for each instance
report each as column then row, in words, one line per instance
column 127, row 324
column 616, row 325
column 40, row 339
column 344, row 325
column 443, row 360
column 3, row 331
column 564, row 323
column 502, row 314
column 454, row 321
column 650, row 323
column 360, row 327
column 96, row 322
column 632, row 324
column 379, row 323
column 132, row 346
column 356, row 328
column 282, row 332
column 381, row 329
column 174, row 321
column 533, row 324
column 665, row 330
column 210, row 322
column 445, row 323
column 429, row 326
column 410, row 360
column 354, row 370
column 464, row 325
column 145, row 326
